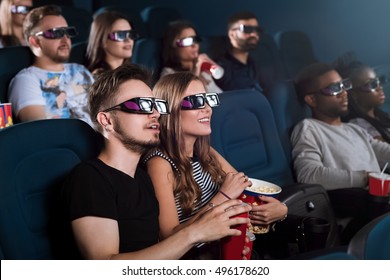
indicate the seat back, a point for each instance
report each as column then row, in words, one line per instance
column 268, row 62
column 288, row 111
column 372, row 242
column 296, row 50
column 147, row 52
column 78, row 53
column 36, row 156
column 244, row 132
column 79, row 18
column 157, row 18
column 13, row 59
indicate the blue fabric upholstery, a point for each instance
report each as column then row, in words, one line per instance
column 13, row 59
column 244, row 132
column 288, row 111
column 372, row 242
column 147, row 52
column 35, row 158
column 78, row 53
column 157, row 18
column 296, row 50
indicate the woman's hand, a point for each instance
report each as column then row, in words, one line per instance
column 235, row 184
column 271, row 211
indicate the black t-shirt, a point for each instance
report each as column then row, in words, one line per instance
column 238, row 75
column 96, row 189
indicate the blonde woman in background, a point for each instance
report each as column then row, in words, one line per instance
column 12, row 14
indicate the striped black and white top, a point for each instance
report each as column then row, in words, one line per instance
column 204, row 180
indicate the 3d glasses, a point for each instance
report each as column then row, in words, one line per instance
column 123, row 35
column 336, row 88
column 198, row 101
column 188, row 41
column 15, row 9
column 142, row 105
column 373, row 84
column 248, row 29
column 57, row 33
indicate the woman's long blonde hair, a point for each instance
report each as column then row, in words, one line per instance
column 171, row 88
column 6, row 17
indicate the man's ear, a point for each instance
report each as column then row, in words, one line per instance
column 104, row 120
column 34, row 42
column 310, row 100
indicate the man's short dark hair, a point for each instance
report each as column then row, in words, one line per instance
column 306, row 81
column 240, row 16
column 36, row 15
column 103, row 92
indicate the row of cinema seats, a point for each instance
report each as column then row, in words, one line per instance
column 244, row 131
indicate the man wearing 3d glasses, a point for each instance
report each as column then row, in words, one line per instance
column 110, row 203
column 240, row 69
column 50, row 88
column 336, row 155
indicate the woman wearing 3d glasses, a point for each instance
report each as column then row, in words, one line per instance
column 188, row 175
column 12, row 14
column 180, row 52
column 365, row 98
column 110, row 42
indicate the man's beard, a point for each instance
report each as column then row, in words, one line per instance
column 248, row 44
column 133, row 144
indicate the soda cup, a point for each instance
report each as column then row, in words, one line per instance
column 5, row 115
column 214, row 70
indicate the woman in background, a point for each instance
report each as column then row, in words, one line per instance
column 12, row 14
column 365, row 97
column 110, row 42
column 180, row 52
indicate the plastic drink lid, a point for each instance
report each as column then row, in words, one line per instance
column 216, row 71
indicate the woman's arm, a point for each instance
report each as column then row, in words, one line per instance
column 163, row 179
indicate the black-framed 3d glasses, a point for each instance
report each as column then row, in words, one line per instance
column 123, row 35
column 188, row 41
column 57, row 33
column 248, row 29
column 141, row 105
column 198, row 101
column 16, row 9
column 336, row 88
column 373, row 84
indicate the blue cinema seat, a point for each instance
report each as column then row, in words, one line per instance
column 78, row 53
column 147, row 52
column 13, row 59
column 36, row 156
column 288, row 111
column 244, row 132
column 157, row 17
column 372, row 242
column 296, row 50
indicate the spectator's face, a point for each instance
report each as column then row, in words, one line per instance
column 189, row 53
column 137, row 132
column 119, row 49
column 195, row 123
column 17, row 18
column 57, row 50
column 241, row 38
column 328, row 107
column 364, row 91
